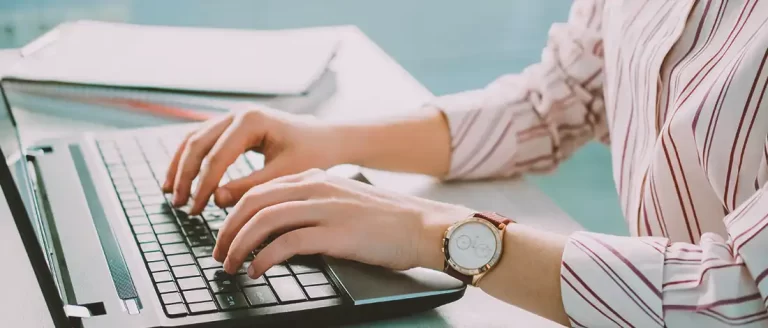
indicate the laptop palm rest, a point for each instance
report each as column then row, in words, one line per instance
column 117, row 266
column 367, row 284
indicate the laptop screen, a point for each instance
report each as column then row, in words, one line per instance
column 11, row 146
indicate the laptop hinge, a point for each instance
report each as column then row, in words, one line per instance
column 76, row 312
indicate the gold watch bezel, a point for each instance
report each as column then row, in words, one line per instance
column 494, row 259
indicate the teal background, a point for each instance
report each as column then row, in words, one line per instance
column 448, row 45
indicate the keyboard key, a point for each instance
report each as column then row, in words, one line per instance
column 142, row 229
column 191, row 283
column 185, row 271
column 180, row 214
column 134, row 212
column 171, row 298
column 138, row 220
column 154, row 256
column 172, row 249
column 208, row 262
column 145, row 238
column 165, row 228
column 204, row 307
column 148, row 190
column 158, row 266
column 224, row 286
column 312, row 279
column 158, row 209
column 152, row 200
column 287, row 289
column 244, row 267
column 128, row 196
column 201, row 240
column 161, row 218
column 244, row 280
column 198, row 295
column 217, row 274
column 176, row 310
column 195, row 220
column 170, row 238
column 180, row 259
column 162, row 276
column 150, row 247
column 131, row 204
column 214, row 215
column 215, row 225
column 277, row 270
column 320, row 291
column 303, row 264
column 194, row 230
column 260, row 296
column 166, row 287
column 202, row 251
column 231, row 301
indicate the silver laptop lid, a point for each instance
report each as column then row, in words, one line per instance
column 19, row 201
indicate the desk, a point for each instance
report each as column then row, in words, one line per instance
column 369, row 84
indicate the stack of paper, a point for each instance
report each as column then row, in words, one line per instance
column 174, row 70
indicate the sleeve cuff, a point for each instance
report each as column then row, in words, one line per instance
column 613, row 281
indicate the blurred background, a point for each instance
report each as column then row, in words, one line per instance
column 448, row 45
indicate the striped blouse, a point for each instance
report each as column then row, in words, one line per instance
column 676, row 88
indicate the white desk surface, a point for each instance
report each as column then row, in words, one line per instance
column 370, row 84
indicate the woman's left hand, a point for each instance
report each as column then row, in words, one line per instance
column 316, row 213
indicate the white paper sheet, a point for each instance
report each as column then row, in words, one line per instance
column 284, row 62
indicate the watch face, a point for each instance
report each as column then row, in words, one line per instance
column 472, row 245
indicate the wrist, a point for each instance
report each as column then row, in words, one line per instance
column 350, row 143
column 418, row 143
column 430, row 254
column 430, row 247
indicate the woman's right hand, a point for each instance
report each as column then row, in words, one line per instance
column 289, row 143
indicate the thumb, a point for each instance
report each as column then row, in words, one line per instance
column 230, row 193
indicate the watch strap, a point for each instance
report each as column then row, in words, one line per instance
column 456, row 274
column 494, row 218
column 497, row 220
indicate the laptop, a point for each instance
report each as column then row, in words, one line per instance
column 108, row 250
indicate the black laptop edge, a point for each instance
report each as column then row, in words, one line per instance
column 27, row 233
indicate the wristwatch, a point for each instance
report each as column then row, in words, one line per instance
column 473, row 246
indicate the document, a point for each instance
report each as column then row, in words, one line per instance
column 229, row 61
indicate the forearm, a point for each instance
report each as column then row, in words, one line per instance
column 419, row 143
column 527, row 275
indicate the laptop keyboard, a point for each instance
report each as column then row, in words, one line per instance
column 177, row 247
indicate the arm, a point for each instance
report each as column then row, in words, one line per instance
column 518, row 123
column 594, row 280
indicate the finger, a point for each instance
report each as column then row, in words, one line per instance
column 276, row 172
column 170, row 175
column 305, row 241
column 231, row 144
column 281, row 190
column 195, row 151
column 281, row 217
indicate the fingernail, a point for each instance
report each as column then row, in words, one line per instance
column 252, row 272
column 177, row 199
column 224, row 196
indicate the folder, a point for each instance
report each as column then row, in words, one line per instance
column 189, row 59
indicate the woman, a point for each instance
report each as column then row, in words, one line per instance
column 675, row 87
